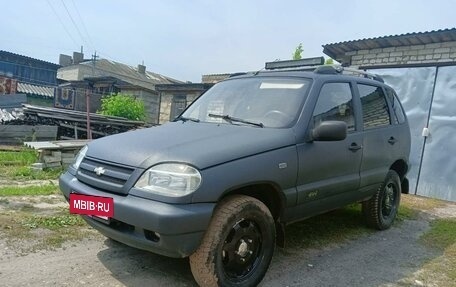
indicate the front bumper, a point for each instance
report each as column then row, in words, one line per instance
column 136, row 221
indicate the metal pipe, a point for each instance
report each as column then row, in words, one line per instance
column 89, row 132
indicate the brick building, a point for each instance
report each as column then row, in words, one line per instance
column 421, row 67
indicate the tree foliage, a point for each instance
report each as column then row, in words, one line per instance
column 297, row 55
column 122, row 105
column 329, row 61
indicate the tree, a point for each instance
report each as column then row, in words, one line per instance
column 297, row 53
column 329, row 61
column 122, row 105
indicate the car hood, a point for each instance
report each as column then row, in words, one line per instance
column 199, row 144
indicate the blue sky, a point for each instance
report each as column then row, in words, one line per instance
column 185, row 39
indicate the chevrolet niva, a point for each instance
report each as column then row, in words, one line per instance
column 255, row 152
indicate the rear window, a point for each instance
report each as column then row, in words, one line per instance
column 399, row 116
column 375, row 108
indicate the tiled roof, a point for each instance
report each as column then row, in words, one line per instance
column 35, row 90
column 335, row 50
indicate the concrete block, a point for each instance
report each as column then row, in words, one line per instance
column 446, row 56
column 453, row 55
column 53, row 165
column 411, row 53
column 425, row 52
column 350, row 53
column 363, row 52
column 57, row 154
column 436, row 56
column 433, row 45
column 417, row 47
column 357, row 57
column 449, row 44
column 421, row 57
column 403, row 48
column 442, row 50
column 396, row 54
column 51, row 159
column 68, row 155
column 388, row 50
column 38, row 165
column 375, row 51
column 429, row 57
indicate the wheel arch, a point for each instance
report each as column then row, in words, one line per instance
column 401, row 168
column 266, row 192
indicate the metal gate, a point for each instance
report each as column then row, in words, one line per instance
column 428, row 95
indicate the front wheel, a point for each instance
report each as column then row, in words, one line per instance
column 238, row 245
column 381, row 210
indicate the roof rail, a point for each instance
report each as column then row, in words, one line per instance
column 307, row 62
column 337, row 69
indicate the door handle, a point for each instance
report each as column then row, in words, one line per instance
column 354, row 147
column 392, row 140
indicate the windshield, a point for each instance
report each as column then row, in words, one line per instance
column 259, row 101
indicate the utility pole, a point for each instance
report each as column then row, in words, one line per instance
column 94, row 59
column 88, row 92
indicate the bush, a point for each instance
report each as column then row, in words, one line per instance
column 125, row 106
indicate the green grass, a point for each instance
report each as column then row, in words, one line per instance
column 23, row 157
column 53, row 222
column 15, row 165
column 29, row 190
column 441, row 235
column 440, row 271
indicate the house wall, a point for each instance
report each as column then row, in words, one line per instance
column 166, row 103
column 416, row 54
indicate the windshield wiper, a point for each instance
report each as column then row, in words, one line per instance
column 231, row 119
column 184, row 119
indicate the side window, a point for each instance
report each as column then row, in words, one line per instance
column 335, row 104
column 398, row 112
column 375, row 108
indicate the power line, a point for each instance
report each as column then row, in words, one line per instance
column 61, row 22
column 83, row 25
column 74, row 23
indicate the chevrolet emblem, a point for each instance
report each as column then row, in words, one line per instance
column 99, row 170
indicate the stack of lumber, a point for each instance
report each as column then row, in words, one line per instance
column 73, row 124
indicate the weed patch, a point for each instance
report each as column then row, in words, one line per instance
column 29, row 190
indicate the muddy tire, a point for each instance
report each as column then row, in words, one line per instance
column 237, row 247
column 381, row 210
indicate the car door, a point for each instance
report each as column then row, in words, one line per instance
column 380, row 140
column 328, row 172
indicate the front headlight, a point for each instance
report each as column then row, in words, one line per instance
column 79, row 157
column 170, row 179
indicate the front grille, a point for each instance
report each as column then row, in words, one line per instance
column 113, row 178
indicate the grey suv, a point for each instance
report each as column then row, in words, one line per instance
column 254, row 153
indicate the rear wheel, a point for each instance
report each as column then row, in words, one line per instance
column 238, row 245
column 381, row 210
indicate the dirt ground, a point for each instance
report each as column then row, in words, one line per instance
column 388, row 258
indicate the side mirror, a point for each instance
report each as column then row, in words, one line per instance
column 330, row 131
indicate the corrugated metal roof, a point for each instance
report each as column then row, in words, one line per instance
column 35, row 90
column 28, row 58
column 129, row 74
column 336, row 50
